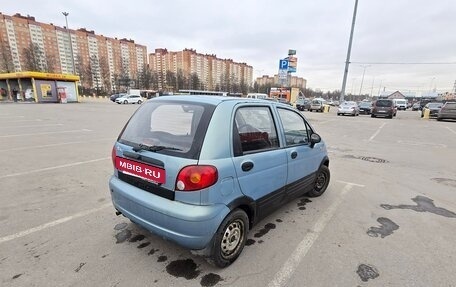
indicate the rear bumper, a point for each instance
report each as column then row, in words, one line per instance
column 446, row 115
column 191, row 226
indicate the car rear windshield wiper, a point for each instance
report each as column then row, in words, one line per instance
column 154, row 148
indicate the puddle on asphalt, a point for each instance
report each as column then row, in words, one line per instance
column 445, row 181
column 302, row 203
column 366, row 272
column 264, row 230
column 424, row 204
column 210, row 280
column 387, row 228
column 185, row 268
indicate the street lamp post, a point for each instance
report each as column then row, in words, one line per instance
column 347, row 61
column 71, row 43
column 362, row 79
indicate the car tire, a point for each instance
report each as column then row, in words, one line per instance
column 321, row 182
column 439, row 119
column 372, row 116
column 233, row 229
column 338, row 114
column 139, row 102
column 125, row 102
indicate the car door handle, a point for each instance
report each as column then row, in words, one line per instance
column 246, row 166
column 294, row 155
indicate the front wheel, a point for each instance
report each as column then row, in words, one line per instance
column 139, row 102
column 125, row 102
column 321, row 182
column 229, row 241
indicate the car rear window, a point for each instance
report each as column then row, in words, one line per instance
column 175, row 128
column 384, row 103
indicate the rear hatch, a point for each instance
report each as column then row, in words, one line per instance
column 383, row 106
column 159, row 140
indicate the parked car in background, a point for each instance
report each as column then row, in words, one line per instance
column 448, row 111
column 383, row 108
column 302, row 104
column 348, row 108
column 129, row 99
column 203, row 178
column 365, row 107
column 317, row 105
column 433, row 107
column 115, row 96
column 401, row 104
column 416, row 106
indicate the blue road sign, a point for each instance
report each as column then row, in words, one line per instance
column 283, row 64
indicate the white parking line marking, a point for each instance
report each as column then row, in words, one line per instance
column 52, row 223
column 377, row 132
column 421, row 144
column 33, row 126
column 451, row 130
column 9, row 117
column 21, row 121
column 324, row 122
column 57, row 144
column 281, row 278
column 53, row 167
column 351, row 183
column 46, row 133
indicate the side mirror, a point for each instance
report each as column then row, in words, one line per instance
column 314, row 139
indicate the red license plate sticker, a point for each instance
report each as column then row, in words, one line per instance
column 144, row 171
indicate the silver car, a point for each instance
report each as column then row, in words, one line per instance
column 348, row 108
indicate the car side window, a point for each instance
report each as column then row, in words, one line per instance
column 296, row 130
column 254, row 130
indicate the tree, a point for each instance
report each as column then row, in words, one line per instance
column 105, row 74
column 6, row 59
column 34, row 58
column 145, row 78
column 194, row 81
column 170, row 80
column 181, row 80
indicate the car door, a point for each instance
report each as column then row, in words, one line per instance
column 303, row 160
column 260, row 164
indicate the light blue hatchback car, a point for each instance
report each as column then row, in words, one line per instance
column 202, row 170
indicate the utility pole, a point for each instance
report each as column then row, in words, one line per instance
column 73, row 68
column 347, row 61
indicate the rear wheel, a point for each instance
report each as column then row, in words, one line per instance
column 321, row 182
column 139, row 102
column 229, row 241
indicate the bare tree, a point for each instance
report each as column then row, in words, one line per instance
column 105, row 74
column 194, row 81
column 34, row 58
column 6, row 59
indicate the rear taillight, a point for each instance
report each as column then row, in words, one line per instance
column 113, row 155
column 196, row 177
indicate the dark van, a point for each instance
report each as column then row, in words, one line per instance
column 383, row 108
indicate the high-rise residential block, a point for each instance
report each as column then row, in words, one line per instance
column 100, row 61
column 213, row 73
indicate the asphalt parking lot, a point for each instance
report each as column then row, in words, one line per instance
column 388, row 217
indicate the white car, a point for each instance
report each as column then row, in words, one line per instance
column 129, row 99
column 348, row 108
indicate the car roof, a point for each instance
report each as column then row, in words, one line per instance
column 214, row 100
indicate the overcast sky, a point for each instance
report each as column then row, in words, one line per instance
column 260, row 32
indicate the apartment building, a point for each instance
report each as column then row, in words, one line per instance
column 99, row 60
column 211, row 71
column 293, row 81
